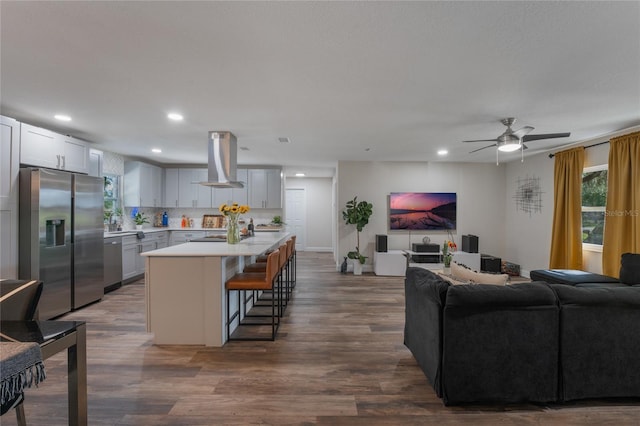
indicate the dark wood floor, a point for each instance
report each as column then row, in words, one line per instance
column 338, row 360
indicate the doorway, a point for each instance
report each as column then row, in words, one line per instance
column 296, row 215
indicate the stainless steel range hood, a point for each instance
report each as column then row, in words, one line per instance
column 223, row 152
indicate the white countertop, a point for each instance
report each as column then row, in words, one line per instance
column 159, row 229
column 251, row 246
column 208, row 230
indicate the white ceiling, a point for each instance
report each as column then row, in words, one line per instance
column 382, row 81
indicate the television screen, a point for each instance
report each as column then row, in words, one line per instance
column 422, row 211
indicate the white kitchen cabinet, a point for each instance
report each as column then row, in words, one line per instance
column 233, row 195
column 96, row 158
column 9, row 171
column 171, row 187
column 142, row 185
column 133, row 264
column 191, row 193
column 265, row 188
column 180, row 237
column 130, row 256
column 44, row 148
column 143, row 246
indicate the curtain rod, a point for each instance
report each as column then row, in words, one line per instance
column 588, row 146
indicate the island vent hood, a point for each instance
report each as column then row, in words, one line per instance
column 223, row 152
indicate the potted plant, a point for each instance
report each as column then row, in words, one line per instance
column 277, row 220
column 140, row 219
column 358, row 214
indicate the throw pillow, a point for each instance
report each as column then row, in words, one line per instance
column 465, row 274
column 630, row 269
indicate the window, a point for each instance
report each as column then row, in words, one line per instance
column 112, row 208
column 594, row 201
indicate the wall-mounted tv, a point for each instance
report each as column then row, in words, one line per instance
column 422, row 211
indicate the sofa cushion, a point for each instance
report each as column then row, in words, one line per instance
column 630, row 269
column 493, row 296
column 600, row 285
column 569, row 276
column 464, row 274
column 500, row 344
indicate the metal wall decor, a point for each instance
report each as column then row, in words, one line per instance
column 528, row 195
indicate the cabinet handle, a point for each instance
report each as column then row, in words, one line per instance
column 64, row 162
column 58, row 157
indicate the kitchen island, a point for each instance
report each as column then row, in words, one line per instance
column 184, row 287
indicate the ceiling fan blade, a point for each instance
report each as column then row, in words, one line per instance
column 521, row 132
column 545, row 136
column 483, row 140
column 480, row 149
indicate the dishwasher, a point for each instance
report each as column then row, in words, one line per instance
column 112, row 263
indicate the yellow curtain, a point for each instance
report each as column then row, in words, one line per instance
column 566, row 234
column 622, row 217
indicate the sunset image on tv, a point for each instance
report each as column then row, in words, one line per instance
column 424, row 211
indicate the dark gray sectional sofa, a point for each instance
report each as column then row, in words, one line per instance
column 529, row 342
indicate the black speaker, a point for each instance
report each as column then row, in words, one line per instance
column 490, row 263
column 381, row 243
column 425, row 248
column 470, row 243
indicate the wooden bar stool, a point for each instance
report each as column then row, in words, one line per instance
column 294, row 263
column 244, row 281
column 261, row 267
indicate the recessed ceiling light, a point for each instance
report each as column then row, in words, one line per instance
column 367, row 149
column 443, row 152
column 300, row 174
column 62, row 117
column 244, row 148
column 284, row 140
column 156, row 150
column 175, row 116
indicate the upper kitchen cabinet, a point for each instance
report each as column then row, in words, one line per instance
column 190, row 192
column 265, row 188
column 142, row 185
column 44, row 148
column 171, row 187
column 9, row 170
column 96, row 160
column 233, row 195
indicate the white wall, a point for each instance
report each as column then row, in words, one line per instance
column 529, row 236
column 318, row 210
column 480, row 189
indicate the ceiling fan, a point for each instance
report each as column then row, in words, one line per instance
column 511, row 140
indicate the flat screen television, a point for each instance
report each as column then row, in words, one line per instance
column 422, row 211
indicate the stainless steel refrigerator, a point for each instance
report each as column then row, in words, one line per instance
column 61, row 237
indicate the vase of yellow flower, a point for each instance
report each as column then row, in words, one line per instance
column 232, row 212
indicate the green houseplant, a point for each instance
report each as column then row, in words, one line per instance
column 358, row 214
column 140, row 219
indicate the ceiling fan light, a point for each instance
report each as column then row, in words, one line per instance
column 509, row 147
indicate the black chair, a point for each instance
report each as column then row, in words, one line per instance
column 18, row 302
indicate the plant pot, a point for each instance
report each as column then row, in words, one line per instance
column 139, row 227
column 357, row 267
column 446, row 270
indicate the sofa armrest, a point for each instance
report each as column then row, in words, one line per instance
column 600, row 342
column 425, row 295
